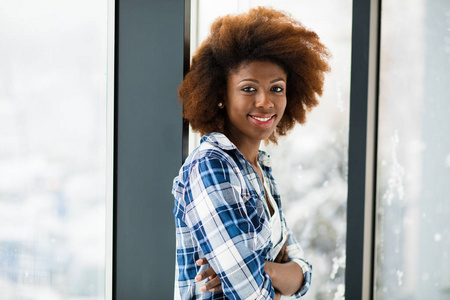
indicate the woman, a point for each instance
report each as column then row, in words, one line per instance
column 251, row 80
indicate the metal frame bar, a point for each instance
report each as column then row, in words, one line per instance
column 362, row 150
column 109, row 151
column 186, row 67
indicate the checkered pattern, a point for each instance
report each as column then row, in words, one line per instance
column 221, row 214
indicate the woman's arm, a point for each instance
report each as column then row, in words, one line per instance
column 296, row 255
column 218, row 219
column 287, row 278
column 214, row 284
column 286, row 275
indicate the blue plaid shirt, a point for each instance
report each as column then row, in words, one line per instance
column 221, row 214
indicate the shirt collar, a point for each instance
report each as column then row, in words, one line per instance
column 220, row 140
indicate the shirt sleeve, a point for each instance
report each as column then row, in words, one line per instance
column 295, row 253
column 226, row 229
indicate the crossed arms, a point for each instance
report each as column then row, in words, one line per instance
column 228, row 228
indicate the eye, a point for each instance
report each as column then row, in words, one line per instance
column 248, row 89
column 277, row 89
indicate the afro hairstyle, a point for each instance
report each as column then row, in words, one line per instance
column 262, row 34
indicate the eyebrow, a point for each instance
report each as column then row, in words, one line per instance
column 278, row 79
column 256, row 81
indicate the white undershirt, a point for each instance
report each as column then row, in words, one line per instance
column 275, row 221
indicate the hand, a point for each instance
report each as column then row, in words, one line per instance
column 282, row 256
column 214, row 284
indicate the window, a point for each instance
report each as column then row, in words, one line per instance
column 56, row 153
column 413, row 208
column 55, row 150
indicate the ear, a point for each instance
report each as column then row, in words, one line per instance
column 223, row 96
column 223, row 102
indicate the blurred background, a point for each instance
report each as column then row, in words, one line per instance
column 53, row 149
column 56, row 148
column 413, row 192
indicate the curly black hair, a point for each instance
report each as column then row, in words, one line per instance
column 262, row 34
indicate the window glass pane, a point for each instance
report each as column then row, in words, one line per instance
column 310, row 164
column 53, row 149
column 413, row 202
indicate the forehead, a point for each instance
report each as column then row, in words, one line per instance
column 258, row 69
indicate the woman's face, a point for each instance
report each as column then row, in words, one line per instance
column 255, row 100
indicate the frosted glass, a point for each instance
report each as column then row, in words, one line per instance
column 413, row 192
column 52, row 149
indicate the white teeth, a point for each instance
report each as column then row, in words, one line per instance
column 262, row 119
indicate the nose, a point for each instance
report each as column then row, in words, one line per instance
column 263, row 100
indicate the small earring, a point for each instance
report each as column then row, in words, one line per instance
column 220, row 105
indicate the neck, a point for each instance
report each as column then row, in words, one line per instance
column 248, row 147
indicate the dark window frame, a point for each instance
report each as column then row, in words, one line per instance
column 359, row 272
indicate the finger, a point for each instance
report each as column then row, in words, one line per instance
column 280, row 255
column 205, row 274
column 277, row 259
column 202, row 261
column 216, row 288
column 285, row 257
column 213, row 285
column 277, row 296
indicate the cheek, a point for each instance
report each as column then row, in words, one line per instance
column 237, row 108
column 234, row 113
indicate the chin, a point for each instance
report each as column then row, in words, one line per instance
column 264, row 136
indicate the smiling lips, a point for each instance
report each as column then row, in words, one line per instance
column 262, row 121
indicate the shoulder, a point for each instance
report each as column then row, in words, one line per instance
column 212, row 158
column 215, row 148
